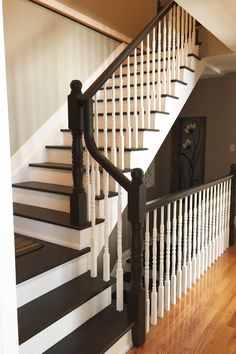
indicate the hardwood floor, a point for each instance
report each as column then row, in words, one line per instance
column 203, row 321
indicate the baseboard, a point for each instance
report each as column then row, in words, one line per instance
column 49, row 132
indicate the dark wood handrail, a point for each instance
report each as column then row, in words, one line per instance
column 91, row 91
column 170, row 198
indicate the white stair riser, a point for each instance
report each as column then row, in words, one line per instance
column 142, row 137
column 122, row 345
column 50, row 200
column 63, row 236
column 64, row 156
column 64, row 326
column 45, row 282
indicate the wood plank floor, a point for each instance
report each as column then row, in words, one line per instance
column 203, row 321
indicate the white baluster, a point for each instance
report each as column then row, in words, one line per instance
column 194, row 264
column 121, row 145
column 194, row 37
column 210, row 228
column 164, row 83
column 141, row 87
column 190, row 34
column 207, row 231
column 114, row 148
column 203, row 231
column 217, row 221
column 179, row 262
column 119, row 270
column 97, row 171
column 148, row 103
column 214, row 225
column 221, row 220
column 228, row 217
column 93, row 244
column 154, row 69
column 226, row 213
column 174, row 45
column 154, row 271
column 146, row 274
column 135, row 125
column 161, row 276
column 184, row 268
column 128, row 129
column 190, row 231
column 173, row 275
column 88, row 185
column 169, row 52
column 167, row 281
column 199, row 223
column 178, row 43
column 159, row 86
column 182, row 36
column 224, row 217
column 186, row 40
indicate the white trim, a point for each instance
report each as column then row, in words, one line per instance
column 67, row 11
column 49, row 132
column 8, row 315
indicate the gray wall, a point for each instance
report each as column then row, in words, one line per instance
column 44, row 52
column 216, row 100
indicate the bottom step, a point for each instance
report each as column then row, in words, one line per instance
column 97, row 335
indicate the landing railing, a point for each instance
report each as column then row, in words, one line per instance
column 105, row 122
column 186, row 233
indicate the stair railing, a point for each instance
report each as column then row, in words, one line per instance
column 188, row 232
column 124, row 100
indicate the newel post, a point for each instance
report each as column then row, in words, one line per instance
column 136, row 215
column 78, row 201
column 232, row 204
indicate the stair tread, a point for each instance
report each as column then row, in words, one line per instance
column 53, row 188
column 144, row 84
column 68, row 147
column 88, row 340
column 118, row 130
column 48, row 308
column 48, row 257
column 132, row 98
column 50, row 216
column 62, row 166
column 150, row 72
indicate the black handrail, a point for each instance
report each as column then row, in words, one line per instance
column 170, row 198
column 91, row 91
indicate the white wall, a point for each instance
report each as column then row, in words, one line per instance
column 8, row 319
column 44, row 52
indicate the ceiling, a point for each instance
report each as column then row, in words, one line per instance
column 218, row 17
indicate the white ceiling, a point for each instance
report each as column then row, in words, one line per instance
column 218, row 17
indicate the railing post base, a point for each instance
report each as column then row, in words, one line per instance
column 78, row 203
column 136, row 313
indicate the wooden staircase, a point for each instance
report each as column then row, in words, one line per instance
column 61, row 308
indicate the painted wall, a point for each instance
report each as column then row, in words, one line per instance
column 44, row 52
column 117, row 14
column 215, row 99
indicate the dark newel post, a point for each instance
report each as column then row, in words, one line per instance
column 136, row 215
column 232, row 204
column 78, row 202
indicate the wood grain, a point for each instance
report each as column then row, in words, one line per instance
column 204, row 321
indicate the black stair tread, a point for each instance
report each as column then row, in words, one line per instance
column 62, row 166
column 87, row 339
column 48, row 257
column 48, row 308
column 144, row 84
column 68, row 147
column 117, row 130
column 194, row 56
column 50, row 216
column 53, row 188
column 150, row 72
column 132, row 98
column 187, row 68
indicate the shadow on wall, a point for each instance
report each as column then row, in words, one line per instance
column 42, row 60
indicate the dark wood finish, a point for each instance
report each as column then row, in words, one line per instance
column 68, row 147
column 87, row 339
column 48, row 308
column 49, row 216
column 232, row 205
column 52, row 165
column 156, row 71
column 157, row 203
column 78, row 198
column 136, row 216
column 44, row 259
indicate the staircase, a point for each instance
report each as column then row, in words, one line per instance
column 65, row 303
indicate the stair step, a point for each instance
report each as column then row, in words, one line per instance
column 47, row 215
column 144, row 84
column 54, row 188
column 150, row 72
column 117, row 130
column 87, row 339
column 42, row 312
column 132, row 98
column 68, row 147
column 46, row 258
